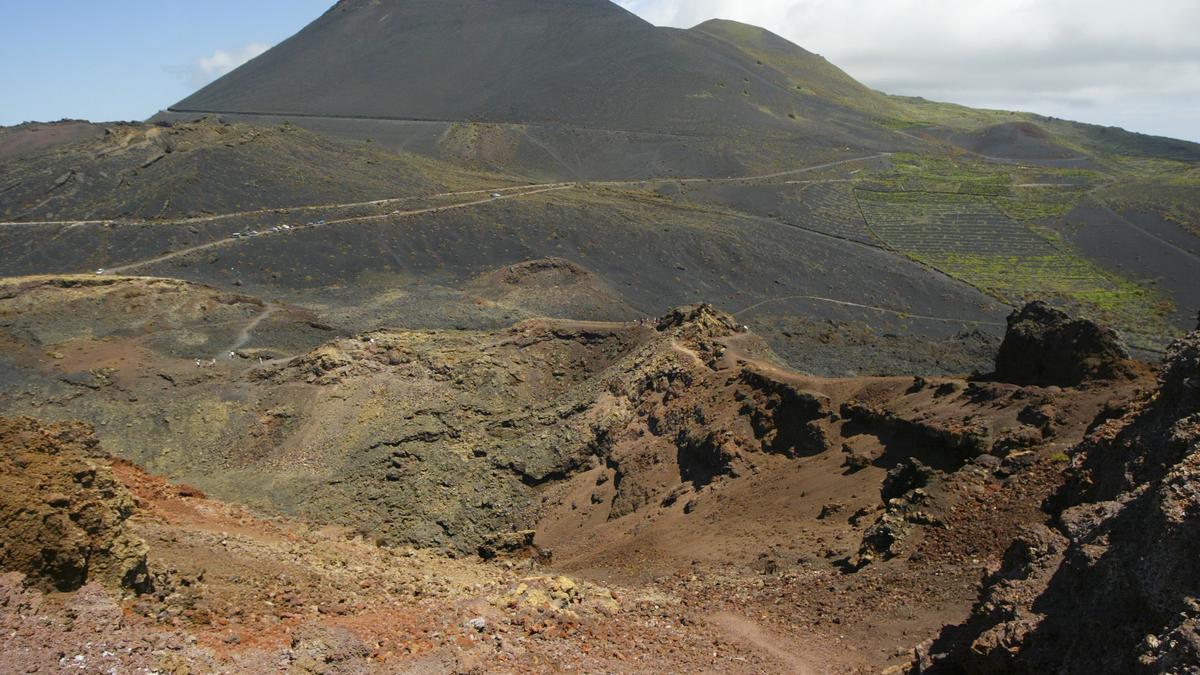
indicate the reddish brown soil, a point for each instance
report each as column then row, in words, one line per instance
column 727, row 521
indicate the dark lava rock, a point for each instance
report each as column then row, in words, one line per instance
column 855, row 461
column 831, row 509
column 1044, row 346
column 1113, row 586
column 882, row 538
column 947, row 389
column 62, row 514
column 906, row 476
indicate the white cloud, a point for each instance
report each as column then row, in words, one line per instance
column 208, row 68
column 1110, row 61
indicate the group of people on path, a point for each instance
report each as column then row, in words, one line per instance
column 212, row 363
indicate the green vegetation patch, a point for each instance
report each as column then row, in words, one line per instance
column 915, row 173
column 1036, row 203
column 1170, row 189
column 971, row 239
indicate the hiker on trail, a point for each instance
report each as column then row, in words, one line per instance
column 198, row 363
column 231, row 356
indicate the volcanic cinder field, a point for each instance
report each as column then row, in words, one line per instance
column 525, row 336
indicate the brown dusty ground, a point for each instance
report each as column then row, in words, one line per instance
column 699, row 509
column 248, row 593
column 744, row 581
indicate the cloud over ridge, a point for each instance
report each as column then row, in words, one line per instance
column 1106, row 61
column 205, row 69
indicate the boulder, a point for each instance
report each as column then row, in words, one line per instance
column 1046, row 347
column 62, row 514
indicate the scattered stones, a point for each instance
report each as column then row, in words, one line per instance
column 555, row 595
column 1019, row 439
column 509, row 544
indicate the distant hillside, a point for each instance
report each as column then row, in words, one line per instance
column 583, row 89
column 811, row 75
column 586, row 63
column 661, row 167
column 153, row 172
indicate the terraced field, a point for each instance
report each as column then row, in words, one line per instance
column 970, row 238
column 1034, row 203
column 830, row 208
column 1171, row 190
column 929, row 223
column 824, row 205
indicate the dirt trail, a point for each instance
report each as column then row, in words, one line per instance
column 394, row 214
column 519, row 189
column 247, row 331
column 748, row 179
column 306, row 207
column 743, row 630
column 504, row 193
column 846, row 303
column 432, row 120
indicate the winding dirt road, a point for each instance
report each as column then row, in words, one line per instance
column 501, row 194
column 121, row 269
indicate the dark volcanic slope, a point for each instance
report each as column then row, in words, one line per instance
column 582, row 89
column 204, row 167
column 1014, row 140
column 582, row 62
column 33, row 138
column 422, row 271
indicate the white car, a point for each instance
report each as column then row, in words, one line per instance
column 100, row 271
column 496, row 195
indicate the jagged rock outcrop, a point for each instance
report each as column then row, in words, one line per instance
column 1113, row 584
column 1044, row 346
column 62, row 514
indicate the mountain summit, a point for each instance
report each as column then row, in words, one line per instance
column 580, row 62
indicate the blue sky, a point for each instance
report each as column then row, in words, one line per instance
column 1113, row 62
column 100, row 60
